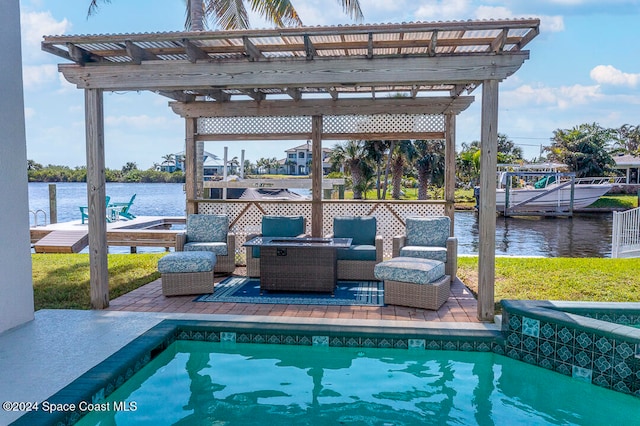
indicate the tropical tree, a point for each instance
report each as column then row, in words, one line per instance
column 468, row 163
column 429, row 165
column 233, row 14
column 352, row 156
column 627, row 140
column 508, row 152
column 584, row 149
column 374, row 151
column 402, row 156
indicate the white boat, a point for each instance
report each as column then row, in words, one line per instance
column 545, row 189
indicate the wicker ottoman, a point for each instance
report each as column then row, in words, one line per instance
column 187, row 272
column 414, row 282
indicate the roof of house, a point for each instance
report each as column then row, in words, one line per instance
column 627, row 160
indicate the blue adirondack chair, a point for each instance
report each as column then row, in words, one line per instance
column 124, row 208
column 84, row 210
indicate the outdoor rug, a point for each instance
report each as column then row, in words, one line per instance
column 247, row 290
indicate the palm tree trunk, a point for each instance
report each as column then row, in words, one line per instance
column 197, row 15
column 356, row 178
column 397, row 179
column 423, row 183
column 386, row 171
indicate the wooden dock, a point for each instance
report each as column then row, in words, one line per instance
column 73, row 237
column 63, row 241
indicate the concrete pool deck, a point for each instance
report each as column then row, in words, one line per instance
column 41, row 357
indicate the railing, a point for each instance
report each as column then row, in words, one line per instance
column 625, row 234
column 245, row 216
column 35, row 214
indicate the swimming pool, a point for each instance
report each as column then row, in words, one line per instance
column 233, row 384
column 420, row 347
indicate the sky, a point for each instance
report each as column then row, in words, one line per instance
column 584, row 67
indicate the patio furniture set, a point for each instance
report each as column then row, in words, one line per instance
column 285, row 258
column 114, row 210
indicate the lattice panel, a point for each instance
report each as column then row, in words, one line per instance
column 246, row 216
column 383, row 123
column 390, row 217
column 253, row 125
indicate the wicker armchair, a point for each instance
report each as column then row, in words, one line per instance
column 273, row 226
column 428, row 238
column 357, row 262
column 210, row 232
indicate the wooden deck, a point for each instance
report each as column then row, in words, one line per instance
column 63, row 241
column 72, row 237
column 460, row 307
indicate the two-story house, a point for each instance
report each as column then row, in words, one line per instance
column 298, row 160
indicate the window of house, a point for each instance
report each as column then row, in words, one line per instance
column 301, row 155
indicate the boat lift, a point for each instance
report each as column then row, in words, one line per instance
column 561, row 179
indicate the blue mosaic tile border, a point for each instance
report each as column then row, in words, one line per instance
column 99, row 382
column 583, row 347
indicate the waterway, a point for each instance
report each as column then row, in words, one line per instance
column 584, row 235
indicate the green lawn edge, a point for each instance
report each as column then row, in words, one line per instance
column 61, row 281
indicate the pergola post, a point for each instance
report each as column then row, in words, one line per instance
column 94, row 125
column 450, row 166
column 316, row 176
column 487, row 207
column 190, row 165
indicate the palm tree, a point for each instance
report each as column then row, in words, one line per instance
column 352, row 155
column 402, row 155
column 232, row 14
column 430, row 165
column 375, row 154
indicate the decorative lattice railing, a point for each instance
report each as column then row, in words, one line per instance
column 245, row 217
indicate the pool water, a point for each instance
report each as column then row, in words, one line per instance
column 198, row 383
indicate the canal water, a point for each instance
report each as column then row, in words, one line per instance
column 584, row 235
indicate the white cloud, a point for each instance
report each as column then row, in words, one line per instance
column 37, row 24
column 552, row 24
column 607, row 74
column 138, row 121
column 562, row 97
column 34, row 76
column 493, row 12
column 29, row 113
column 444, row 10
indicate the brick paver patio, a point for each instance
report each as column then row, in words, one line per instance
column 460, row 307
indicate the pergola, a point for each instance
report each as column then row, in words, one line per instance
column 393, row 81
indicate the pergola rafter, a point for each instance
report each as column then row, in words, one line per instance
column 318, row 73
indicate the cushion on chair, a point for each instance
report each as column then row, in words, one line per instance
column 280, row 226
column 207, row 228
column 428, row 231
column 361, row 229
column 184, row 262
column 219, row 249
column 359, row 252
column 410, row 270
column 435, row 253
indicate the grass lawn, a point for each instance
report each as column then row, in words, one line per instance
column 61, row 281
column 569, row 279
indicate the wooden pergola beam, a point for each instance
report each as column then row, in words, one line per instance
column 138, row 54
column 311, row 107
column 251, row 50
column 194, row 52
column 280, row 73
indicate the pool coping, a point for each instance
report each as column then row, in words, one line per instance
column 578, row 315
column 101, row 380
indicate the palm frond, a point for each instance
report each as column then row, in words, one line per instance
column 228, row 14
column 280, row 12
column 93, row 6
